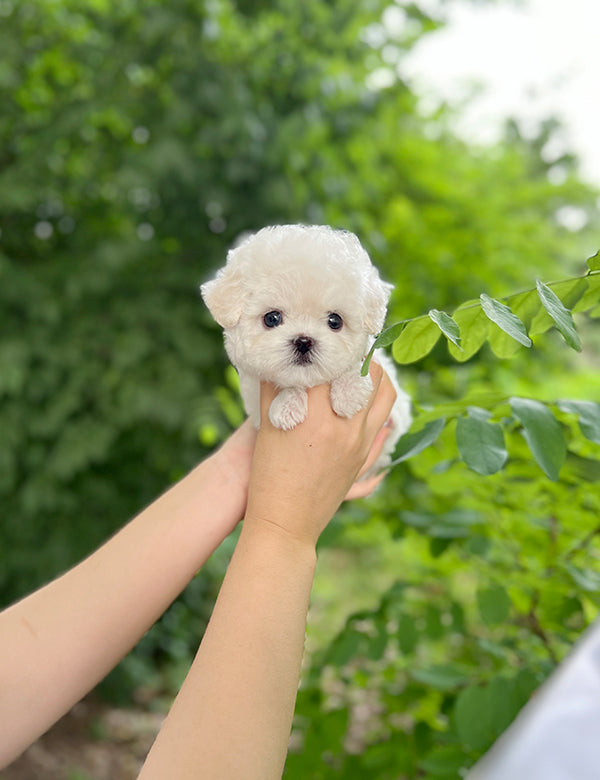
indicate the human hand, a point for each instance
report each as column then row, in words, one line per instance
column 299, row 477
column 364, row 487
column 233, row 460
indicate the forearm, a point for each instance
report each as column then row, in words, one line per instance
column 233, row 715
column 63, row 639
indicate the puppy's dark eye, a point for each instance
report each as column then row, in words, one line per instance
column 334, row 321
column 272, row 319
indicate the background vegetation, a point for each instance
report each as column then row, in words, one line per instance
column 137, row 141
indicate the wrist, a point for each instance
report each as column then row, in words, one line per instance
column 300, row 514
column 229, row 468
column 228, row 487
column 199, row 512
column 279, row 537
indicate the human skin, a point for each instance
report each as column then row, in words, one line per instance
column 60, row 641
column 232, row 717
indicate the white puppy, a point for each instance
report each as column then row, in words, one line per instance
column 300, row 306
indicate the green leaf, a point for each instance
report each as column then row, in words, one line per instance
column 583, row 469
column 412, row 443
column 478, row 545
column 443, row 531
column 407, row 634
column 415, row 341
column 477, row 413
column 586, row 579
column 543, row 434
column 377, row 644
column 345, row 647
column 525, row 683
column 493, row 604
column 367, row 362
column 561, row 316
column 454, row 524
column 503, row 704
column 481, row 444
column 593, row 262
column 442, row 677
column 434, row 628
column 472, row 718
column 525, row 306
column 474, row 327
column 570, row 291
column 444, row 761
column 389, row 335
column 447, row 325
column 503, row 317
column 457, row 408
column 418, row 519
column 589, row 417
column 375, row 759
column 503, row 346
column 385, row 338
column 591, row 296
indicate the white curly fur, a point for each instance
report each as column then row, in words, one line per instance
column 306, row 274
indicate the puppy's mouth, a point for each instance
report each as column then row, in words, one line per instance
column 303, row 351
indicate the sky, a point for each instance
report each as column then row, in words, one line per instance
column 535, row 58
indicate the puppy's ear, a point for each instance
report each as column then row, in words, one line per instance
column 224, row 296
column 377, row 296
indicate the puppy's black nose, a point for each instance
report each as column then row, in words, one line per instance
column 303, row 344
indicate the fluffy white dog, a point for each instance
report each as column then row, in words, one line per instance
column 300, row 306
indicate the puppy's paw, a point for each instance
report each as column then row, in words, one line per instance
column 288, row 408
column 350, row 393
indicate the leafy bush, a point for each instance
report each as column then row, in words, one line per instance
column 497, row 576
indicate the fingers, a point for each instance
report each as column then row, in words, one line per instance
column 382, row 399
column 365, row 487
column 380, row 406
column 376, row 373
column 372, row 418
column 375, row 450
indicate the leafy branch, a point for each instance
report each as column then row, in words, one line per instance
column 505, row 323
column 481, row 441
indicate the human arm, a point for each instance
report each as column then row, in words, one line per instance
column 61, row 640
column 57, row 643
column 232, row 717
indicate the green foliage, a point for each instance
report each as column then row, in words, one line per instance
column 136, row 143
column 469, row 328
column 495, row 577
column 481, row 443
column 494, row 516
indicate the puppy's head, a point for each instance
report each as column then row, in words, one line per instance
column 298, row 304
